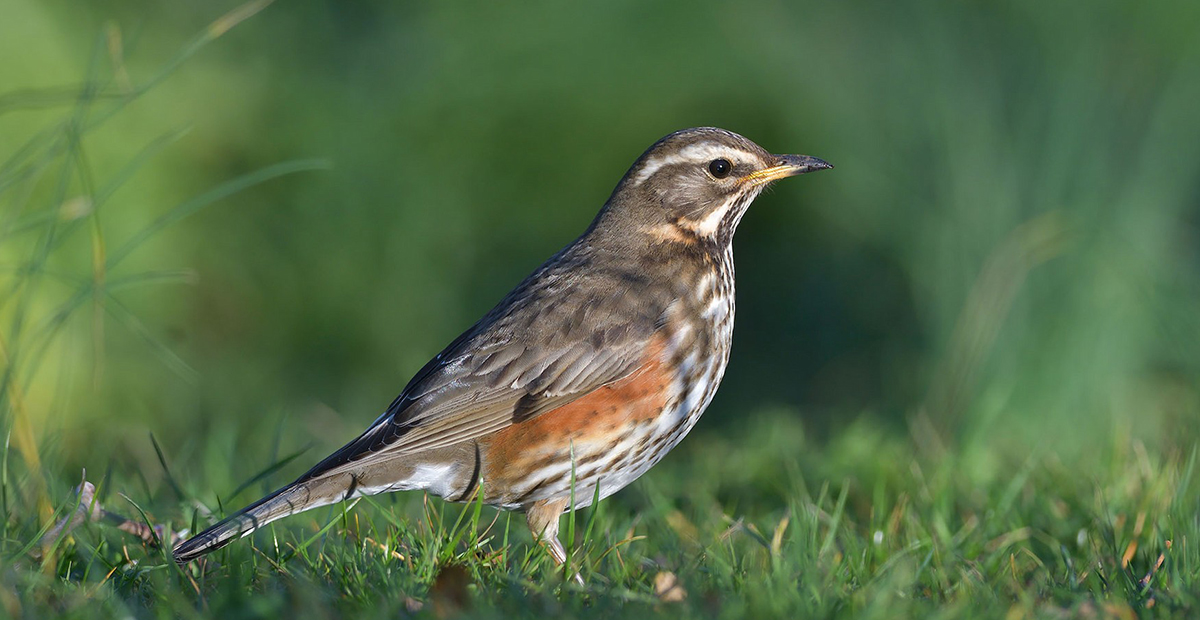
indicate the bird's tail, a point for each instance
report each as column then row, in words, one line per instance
column 296, row 497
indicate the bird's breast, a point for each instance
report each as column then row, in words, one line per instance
column 604, row 440
column 700, row 333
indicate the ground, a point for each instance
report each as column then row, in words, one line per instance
column 761, row 522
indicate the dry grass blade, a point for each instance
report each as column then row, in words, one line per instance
column 238, row 15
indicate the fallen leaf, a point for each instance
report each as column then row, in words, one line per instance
column 667, row 587
column 449, row 594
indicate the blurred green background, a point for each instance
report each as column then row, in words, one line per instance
column 1006, row 255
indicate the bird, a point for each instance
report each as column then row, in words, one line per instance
column 585, row 375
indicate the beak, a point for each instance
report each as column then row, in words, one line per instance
column 787, row 166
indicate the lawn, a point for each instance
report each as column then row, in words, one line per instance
column 963, row 381
column 780, row 525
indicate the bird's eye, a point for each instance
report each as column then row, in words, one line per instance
column 720, row 168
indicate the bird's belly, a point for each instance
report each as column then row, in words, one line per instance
column 599, row 443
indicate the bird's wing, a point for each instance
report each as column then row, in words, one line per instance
column 530, row 355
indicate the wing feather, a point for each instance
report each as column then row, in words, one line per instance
column 528, row 356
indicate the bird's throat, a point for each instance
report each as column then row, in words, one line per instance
column 713, row 227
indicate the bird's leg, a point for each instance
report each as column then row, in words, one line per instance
column 543, row 522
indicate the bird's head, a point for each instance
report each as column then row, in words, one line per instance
column 695, row 185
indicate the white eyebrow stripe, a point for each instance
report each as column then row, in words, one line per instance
column 695, row 153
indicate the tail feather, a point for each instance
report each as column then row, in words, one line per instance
column 296, row 497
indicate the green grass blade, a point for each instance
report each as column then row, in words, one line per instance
column 225, row 190
column 162, row 461
column 270, row 469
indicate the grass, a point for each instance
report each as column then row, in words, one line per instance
column 857, row 525
column 757, row 519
